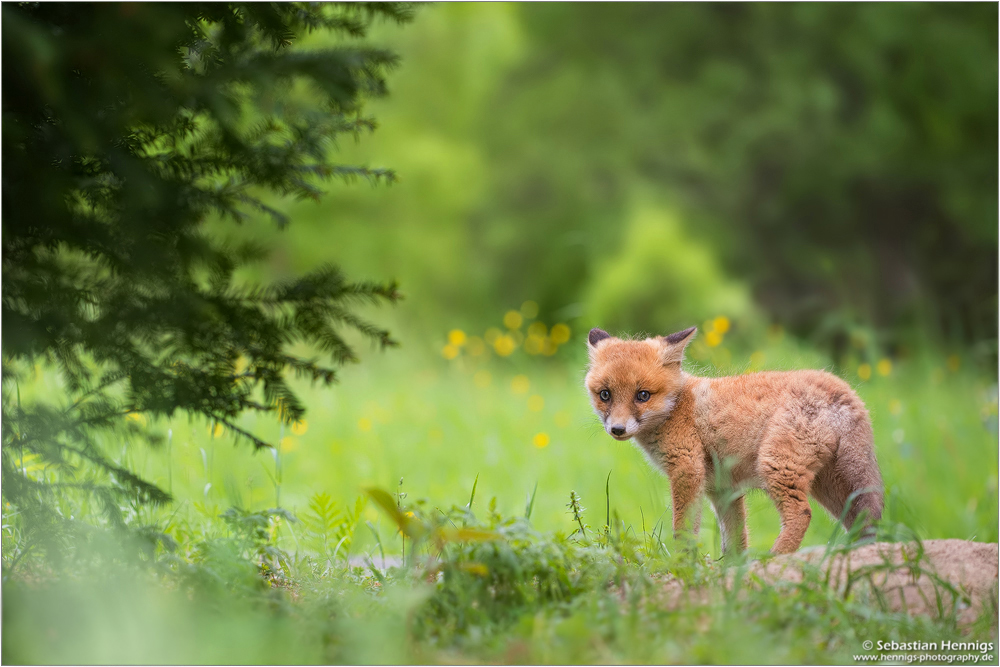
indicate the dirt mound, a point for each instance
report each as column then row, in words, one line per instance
column 937, row 576
column 910, row 580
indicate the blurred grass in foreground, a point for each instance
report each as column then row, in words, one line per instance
column 495, row 590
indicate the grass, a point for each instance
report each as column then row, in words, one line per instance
column 462, row 452
column 435, row 426
column 475, row 588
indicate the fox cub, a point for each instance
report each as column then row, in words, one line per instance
column 790, row 433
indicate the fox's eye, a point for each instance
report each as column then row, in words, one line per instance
column 642, row 396
column 605, row 395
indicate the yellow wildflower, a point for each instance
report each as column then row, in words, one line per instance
column 137, row 417
column 537, row 329
column 534, row 344
column 560, row 333
column 513, row 319
column 504, row 345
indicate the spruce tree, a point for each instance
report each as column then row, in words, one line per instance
column 127, row 128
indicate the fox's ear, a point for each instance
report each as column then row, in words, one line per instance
column 595, row 337
column 672, row 346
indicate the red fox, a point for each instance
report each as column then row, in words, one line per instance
column 790, row 433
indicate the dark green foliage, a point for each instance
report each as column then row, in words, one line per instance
column 842, row 158
column 127, row 129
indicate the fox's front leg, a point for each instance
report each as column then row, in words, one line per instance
column 686, row 471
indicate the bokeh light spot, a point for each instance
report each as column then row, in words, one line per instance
column 504, row 345
column 513, row 319
column 560, row 333
column 534, row 344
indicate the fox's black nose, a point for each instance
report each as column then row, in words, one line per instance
column 617, row 430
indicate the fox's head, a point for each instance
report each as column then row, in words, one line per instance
column 633, row 384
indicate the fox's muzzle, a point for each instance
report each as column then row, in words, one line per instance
column 622, row 431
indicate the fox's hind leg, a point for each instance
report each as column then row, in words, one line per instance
column 787, row 467
column 850, row 485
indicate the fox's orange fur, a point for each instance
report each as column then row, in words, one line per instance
column 790, row 433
